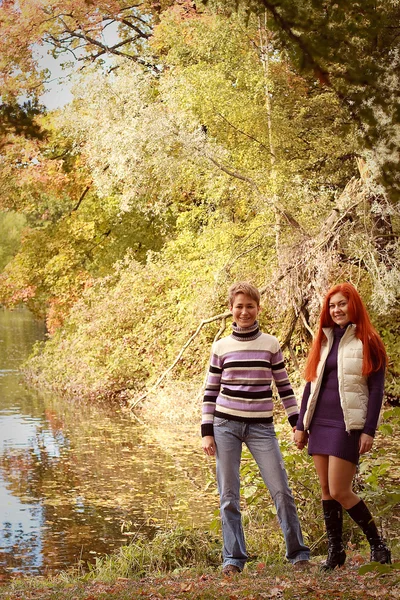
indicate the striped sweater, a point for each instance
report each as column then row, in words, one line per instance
column 241, row 371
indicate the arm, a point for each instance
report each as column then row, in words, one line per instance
column 376, row 382
column 208, row 445
column 306, row 394
column 300, row 437
column 284, row 387
column 211, row 392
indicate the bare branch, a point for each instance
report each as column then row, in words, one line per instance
column 134, row 27
column 224, row 315
column 85, row 191
column 221, row 329
column 244, row 133
column 289, row 218
column 101, row 52
column 236, row 258
column 104, row 47
column 305, row 323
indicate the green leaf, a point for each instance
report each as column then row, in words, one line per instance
column 378, row 568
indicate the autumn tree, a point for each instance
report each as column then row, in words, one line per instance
column 348, row 47
column 20, row 120
column 351, row 48
column 42, row 176
column 11, row 227
column 76, row 30
column 71, row 235
column 191, row 146
column 225, row 159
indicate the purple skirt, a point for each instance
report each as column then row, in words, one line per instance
column 334, row 441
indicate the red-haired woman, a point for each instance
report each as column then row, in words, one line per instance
column 339, row 413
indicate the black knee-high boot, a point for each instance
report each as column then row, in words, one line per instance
column 361, row 515
column 333, row 516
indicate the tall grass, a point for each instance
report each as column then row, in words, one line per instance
column 169, row 550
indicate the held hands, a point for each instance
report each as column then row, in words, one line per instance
column 208, row 445
column 300, row 438
column 365, row 443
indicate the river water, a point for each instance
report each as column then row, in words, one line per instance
column 76, row 480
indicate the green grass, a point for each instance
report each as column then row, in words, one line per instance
column 257, row 582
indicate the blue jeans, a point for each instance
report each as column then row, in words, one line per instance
column 261, row 440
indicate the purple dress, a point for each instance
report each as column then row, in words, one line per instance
column 327, row 432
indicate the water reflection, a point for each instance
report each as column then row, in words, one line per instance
column 72, row 474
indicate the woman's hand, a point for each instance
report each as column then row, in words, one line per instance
column 366, row 442
column 300, row 439
column 209, row 445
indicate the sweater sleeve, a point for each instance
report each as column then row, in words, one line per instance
column 306, row 394
column 213, row 385
column 376, row 381
column 284, row 387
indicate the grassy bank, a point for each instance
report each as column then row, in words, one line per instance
column 186, row 563
column 257, row 582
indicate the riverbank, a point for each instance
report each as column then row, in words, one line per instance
column 258, row 582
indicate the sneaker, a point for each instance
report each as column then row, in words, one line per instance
column 301, row 565
column 230, row 570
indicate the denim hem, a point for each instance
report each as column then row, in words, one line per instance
column 301, row 556
column 235, row 562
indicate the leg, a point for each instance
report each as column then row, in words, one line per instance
column 361, row 515
column 333, row 516
column 228, row 442
column 339, row 487
column 340, row 481
column 341, row 473
column 336, row 479
column 262, row 443
column 321, row 463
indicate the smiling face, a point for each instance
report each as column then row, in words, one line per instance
column 244, row 310
column 339, row 309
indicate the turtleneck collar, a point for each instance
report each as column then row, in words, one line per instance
column 340, row 331
column 245, row 334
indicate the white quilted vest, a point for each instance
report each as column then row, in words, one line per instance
column 353, row 387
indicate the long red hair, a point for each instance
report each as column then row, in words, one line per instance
column 374, row 353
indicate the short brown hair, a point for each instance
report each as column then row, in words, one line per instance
column 243, row 287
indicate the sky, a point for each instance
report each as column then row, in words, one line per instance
column 58, row 89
